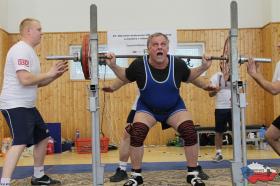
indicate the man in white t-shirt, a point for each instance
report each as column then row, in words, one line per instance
column 223, row 121
column 22, row 77
column 273, row 133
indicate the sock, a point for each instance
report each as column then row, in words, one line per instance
column 219, row 151
column 122, row 165
column 5, row 181
column 39, row 172
column 136, row 170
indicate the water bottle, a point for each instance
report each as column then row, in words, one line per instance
column 261, row 136
column 261, row 133
column 77, row 134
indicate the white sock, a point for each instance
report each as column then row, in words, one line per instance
column 219, row 151
column 122, row 165
column 5, row 181
column 39, row 172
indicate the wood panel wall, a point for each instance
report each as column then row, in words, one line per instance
column 271, row 37
column 66, row 101
column 4, row 46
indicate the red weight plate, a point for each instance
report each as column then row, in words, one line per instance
column 84, row 59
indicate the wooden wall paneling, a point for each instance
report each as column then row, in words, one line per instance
column 4, row 47
column 274, row 31
column 66, row 101
column 267, row 71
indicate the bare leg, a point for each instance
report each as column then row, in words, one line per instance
column 39, row 152
column 191, row 153
column 272, row 136
column 124, row 147
column 136, row 155
column 11, row 160
column 218, row 140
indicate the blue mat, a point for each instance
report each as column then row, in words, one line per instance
column 26, row 171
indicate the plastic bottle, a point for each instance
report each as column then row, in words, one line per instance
column 261, row 136
column 261, row 132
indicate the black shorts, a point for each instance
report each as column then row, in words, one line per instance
column 276, row 122
column 223, row 121
column 131, row 115
column 26, row 125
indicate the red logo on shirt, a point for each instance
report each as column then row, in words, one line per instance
column 23, row 62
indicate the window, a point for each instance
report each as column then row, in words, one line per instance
column 191, row 49
column 76, row 72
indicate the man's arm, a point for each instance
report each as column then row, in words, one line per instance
column 28, row 79
column 207, row 86
column 117, row 84
column 196, row 72
column 254, row 71
column 119, row 71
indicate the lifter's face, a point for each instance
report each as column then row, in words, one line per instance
column 158, row 49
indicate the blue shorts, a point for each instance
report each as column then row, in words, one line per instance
column 131, row 115
column 26, row 125
column 223, row 120
column 161, row 115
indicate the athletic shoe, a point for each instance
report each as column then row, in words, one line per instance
column 218, row 158
column 119, row 176
column 134, row 180
column 202, row 174
column 44, row 180
column 193, row 179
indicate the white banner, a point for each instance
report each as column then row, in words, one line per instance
column 135, row 42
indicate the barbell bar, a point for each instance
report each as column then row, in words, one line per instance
column 76, row 58
column 84, row 57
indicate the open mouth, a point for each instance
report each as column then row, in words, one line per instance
column 160, row 54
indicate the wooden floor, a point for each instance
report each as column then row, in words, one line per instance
column 152, row 154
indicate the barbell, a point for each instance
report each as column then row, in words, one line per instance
column 84, row 57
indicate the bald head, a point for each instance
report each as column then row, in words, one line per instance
column 26, row 24
column 30, row 31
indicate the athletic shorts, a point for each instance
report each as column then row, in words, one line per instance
column 159, row 115
column 223, row 121
column 131, row 115
column 276, row 122
column 26, row 125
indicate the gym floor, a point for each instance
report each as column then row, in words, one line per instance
column 152, row 154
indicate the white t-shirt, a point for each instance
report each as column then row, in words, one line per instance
column 21, row 56
column 223, row 97
column 276, row 76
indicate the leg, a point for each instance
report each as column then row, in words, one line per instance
column 181, row 121
column 11, row 160
column 41, row 138
column 123, row 156
column 138, row 132
column 222, row 119
column 272, row 136
column 218, row 140
column 123, row 152
column 124, row 147
column 39, row 152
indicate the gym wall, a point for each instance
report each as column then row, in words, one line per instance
column 66, row 101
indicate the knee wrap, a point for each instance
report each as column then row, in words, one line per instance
column 188, row 132
column 138, row 132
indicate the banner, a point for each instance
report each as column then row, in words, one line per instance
column 135, row 42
